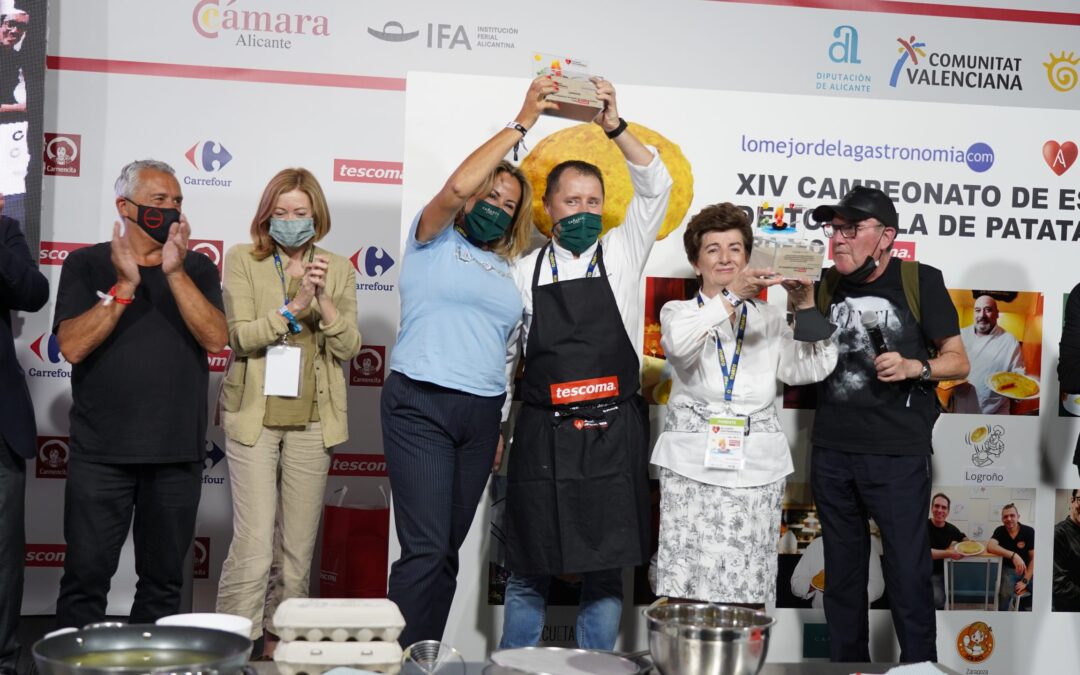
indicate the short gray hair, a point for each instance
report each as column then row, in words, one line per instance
column 129, row 175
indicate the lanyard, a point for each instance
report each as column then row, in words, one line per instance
column 729, row 378
column 294, row 325
column 555, row 267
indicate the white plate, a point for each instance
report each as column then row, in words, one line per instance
column 990, row 384
column 561, row 661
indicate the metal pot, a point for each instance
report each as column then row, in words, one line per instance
column 707, row 639
column 112, row 649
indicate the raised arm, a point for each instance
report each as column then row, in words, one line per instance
column 471, row 174
column 204, row 321
column 80, row 335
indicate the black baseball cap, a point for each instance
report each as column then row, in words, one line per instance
column 859, row 204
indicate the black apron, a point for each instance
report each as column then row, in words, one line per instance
column 578, row 492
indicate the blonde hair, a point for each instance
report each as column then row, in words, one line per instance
column 284, row 181
column 516, row 238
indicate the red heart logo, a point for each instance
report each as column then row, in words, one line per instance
column 579, row 424
column 1059, row 156
column 716, row 430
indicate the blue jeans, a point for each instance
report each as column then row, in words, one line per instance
column 598, row 614
column 1007, row 590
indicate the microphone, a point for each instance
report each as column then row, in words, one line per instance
column 877, row 339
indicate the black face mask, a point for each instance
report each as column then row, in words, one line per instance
column 867, row 268
column 155, row 221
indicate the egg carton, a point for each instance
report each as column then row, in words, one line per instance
column 338, row 619
column 316, row 658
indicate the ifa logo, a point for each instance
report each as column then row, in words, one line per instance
column 52, row 456
column 45, row 555
column 56, row 252
column 211, row 248
column 369, row 466
column 201, row 558
column 62, row 156
column 368, row 369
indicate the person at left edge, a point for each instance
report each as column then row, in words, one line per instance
column 22, row 288
column 577, row 498
column 135, row 317
column 441, row 402
column 282, row 289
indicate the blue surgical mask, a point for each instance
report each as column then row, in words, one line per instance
column 292, row 233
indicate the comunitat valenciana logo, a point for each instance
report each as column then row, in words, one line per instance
column 918, row 66
column 253, row 25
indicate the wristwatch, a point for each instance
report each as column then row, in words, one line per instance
column 924, row 375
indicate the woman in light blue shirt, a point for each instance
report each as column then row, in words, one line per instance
column 441, row 404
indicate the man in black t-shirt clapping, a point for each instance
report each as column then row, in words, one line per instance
column 874, row 421
column 1016, row 544
column 943, row 536
column 136, row 317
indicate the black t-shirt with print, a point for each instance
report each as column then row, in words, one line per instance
column 141, row 396
column 1023, row 545
column 941, row 538
column 856, row 411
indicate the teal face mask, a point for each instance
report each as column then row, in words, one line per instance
column 292, row 233
column 579, row 231
column 486, row 222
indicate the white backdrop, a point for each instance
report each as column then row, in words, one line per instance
column 164, row 78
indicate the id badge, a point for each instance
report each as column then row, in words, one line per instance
column 283, row 364
column 726, row 443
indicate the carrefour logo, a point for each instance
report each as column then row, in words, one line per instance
column 47, row 348
column 372, row 262
column 211, row 17
column 214, row 456
column 208, row 156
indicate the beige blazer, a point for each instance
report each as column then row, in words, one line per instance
column 252, row 298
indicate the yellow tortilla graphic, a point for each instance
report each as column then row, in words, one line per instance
column 970, row 547
column 1014, row 385
column 978, row 435
column 587, row 142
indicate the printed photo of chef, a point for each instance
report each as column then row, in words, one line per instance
column 1002, row 335
column 800, row 578
column 1065, row 593
column 982, row 542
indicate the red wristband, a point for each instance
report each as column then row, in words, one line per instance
column 122, row 301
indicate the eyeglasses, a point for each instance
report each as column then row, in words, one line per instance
column 12, row 24
column 847, row 230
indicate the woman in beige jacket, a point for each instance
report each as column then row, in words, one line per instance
column 289, row 298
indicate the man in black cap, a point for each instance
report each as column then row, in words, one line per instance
column 872, row 432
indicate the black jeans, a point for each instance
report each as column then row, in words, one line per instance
column 98, row 503
column 894, row 490
column 439, row 445
column 12, row 549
